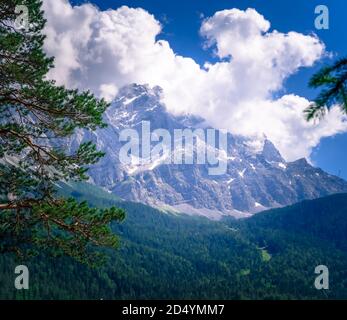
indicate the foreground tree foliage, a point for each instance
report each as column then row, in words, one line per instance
column 333, row 82
column 35, row 117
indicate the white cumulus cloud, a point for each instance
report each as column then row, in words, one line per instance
column 105, row 50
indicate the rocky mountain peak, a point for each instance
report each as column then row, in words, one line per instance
column 270, row 152
column 253, row 180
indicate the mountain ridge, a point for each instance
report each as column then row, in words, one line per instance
column 257, row 177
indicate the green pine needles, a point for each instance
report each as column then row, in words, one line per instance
column 35, row 114
column 333, row 82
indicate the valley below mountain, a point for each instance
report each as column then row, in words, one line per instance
column 271, row 255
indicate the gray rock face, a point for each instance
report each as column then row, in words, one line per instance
column 255, row 179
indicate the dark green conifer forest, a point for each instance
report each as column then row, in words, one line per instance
column 164, row 256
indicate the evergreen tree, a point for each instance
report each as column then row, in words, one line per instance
column 333, row 80
column 35, row 116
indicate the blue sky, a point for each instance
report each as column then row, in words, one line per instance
column 181, row 28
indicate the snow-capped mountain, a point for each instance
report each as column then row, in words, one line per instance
column 256, row 178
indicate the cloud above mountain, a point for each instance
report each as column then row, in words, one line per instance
column 105, row 50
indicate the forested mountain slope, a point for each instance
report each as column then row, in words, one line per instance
column 164, row 256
